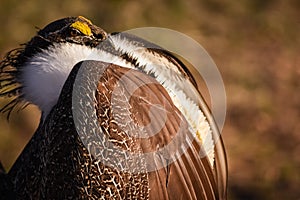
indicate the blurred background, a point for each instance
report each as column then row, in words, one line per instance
column 255, row 44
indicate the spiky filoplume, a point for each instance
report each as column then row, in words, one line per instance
column 127, row 79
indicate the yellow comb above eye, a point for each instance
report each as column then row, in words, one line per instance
column 82, row 27
column 85, row 19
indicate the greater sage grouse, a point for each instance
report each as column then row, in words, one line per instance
column 122, row 118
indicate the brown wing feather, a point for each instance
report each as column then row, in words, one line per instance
column 189, row 177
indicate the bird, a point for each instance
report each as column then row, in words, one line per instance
column 121, row 119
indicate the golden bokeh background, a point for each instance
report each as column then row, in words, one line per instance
column 255, row 44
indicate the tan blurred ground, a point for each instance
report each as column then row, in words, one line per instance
column 254, row 43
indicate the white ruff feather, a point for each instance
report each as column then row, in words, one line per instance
column 44, row 75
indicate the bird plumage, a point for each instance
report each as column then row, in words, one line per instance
column 60, row 162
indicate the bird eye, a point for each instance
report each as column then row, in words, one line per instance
column 75, row 32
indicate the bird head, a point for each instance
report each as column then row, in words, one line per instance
column 36, row 72
column 76, row 30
